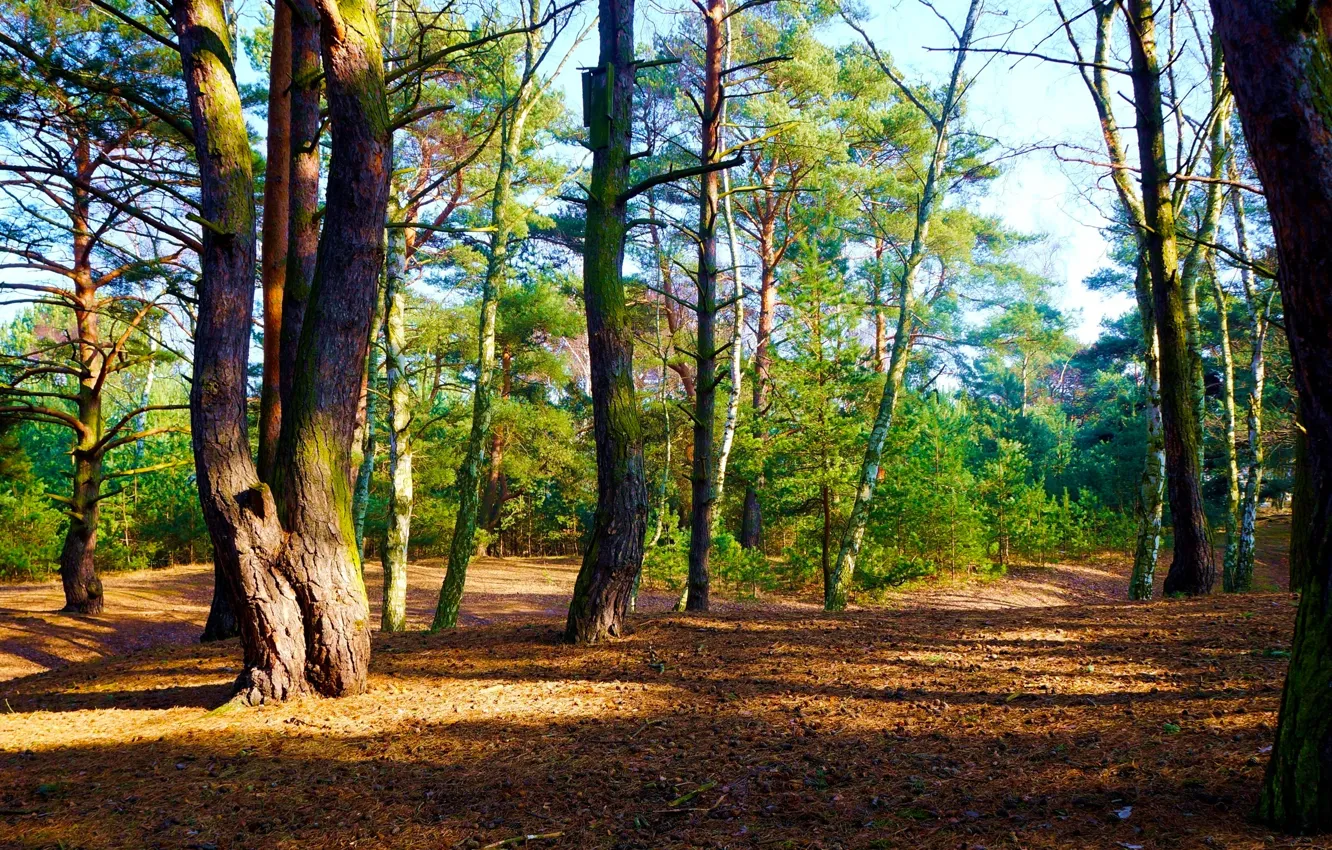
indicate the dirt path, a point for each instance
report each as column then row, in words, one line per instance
column 162, row 607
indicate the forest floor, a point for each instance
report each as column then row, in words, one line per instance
column 1034, row 711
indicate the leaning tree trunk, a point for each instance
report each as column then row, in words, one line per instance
column 614, row 552
column 463, row 545
column 835, row 591
column 737, row 347
column 1152, row 487
column 1191, row 571
column 238, row 509
column 1280, row 60
column 393, row 616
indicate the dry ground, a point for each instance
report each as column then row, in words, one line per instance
column 1096, row 724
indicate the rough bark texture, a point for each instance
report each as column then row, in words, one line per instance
column 1192, row 570
column 238, row 508
column 614, row 552
column 502, row 219
column 314, row 457
column 1281, row 70
column 276, row 231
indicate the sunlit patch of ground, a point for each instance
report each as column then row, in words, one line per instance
column 1099, row 726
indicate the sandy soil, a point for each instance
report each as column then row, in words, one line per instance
column 160, row 607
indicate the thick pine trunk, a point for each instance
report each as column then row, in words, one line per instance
column 1191, row 571
column 303, row 175
column 463, row 545
column 314, row 457
column 78, row 574
column 237, row 507
column 1280, row 60
column 614, row 552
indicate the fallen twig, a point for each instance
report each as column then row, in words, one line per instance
column 522, row 839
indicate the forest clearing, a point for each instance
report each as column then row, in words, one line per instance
column 1014, row 725
column 481, row 424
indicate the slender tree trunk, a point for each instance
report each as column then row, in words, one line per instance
column 1151, row 490
column 463, row 545
column 737, row 346
column 835, row 592
column 1258, row 308
column 1152, row 486
column 238, row 508
column 1191, row 571
column 751, row 524
column 737, row 310
column 614, row 552
column 303, row 196
column 705, row 399
column 1280, row 61
column 369, row 438
column 1229, row 575
column 393, row 616
column 276, row 232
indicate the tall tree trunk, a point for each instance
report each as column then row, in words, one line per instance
column 314, row 456
column 1259, row 311
column 276, row 232
column 1229, row 576
column 614, row 552
column 78, row 569
column 1152, row 487
column 369, row 438
column 738, row 299
column 1192, row 570
column 751, row 523
column 393, row 616
column 238, row 509
column 1151, row 490
column 1280, row 61
column 303, row 196
column 835, row 591
column 502, row 215
column 705, row 399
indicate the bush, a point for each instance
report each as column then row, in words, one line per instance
column 30, row 546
